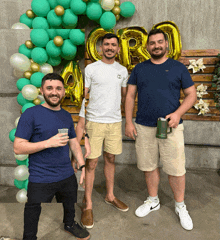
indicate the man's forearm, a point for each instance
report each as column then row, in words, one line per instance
column 129, row 108
column 77, row 153
column 79, row 133
column 30, row 148
column 187, row 103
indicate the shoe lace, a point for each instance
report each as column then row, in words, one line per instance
column 183, row 212
column 148, row 201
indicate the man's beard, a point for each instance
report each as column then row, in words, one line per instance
column 109, row 57
column 47, row 100
column 158, row 56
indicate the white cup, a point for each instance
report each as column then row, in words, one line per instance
column 63, row 130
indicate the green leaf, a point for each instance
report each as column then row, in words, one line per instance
column 214, row 85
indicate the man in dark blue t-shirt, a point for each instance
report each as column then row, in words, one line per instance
column 158, row 82
column 51, row 172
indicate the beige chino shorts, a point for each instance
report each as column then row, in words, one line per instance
column 110, row 133
column 170, row 151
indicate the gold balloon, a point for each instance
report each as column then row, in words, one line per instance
column 117, row 17
column 139, row 35
column 20, row 111
column 116, row 10
column 83, row 30
column 29, row 44
column 32, row 61
column 59, row 10
column 37, row 101
column 85, row 0
column 58, row 41
column 92, row 40
column 73, row 90
column 117, row 3
column 27, row 74
column 30, row 13
column 35, row 67
column 174, row 38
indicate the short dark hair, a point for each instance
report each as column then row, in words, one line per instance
column 156, row 31
column 109, row 36
column 52, row 76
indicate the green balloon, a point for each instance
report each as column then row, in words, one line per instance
column 43, row 102
column 108, row 20
column 36, row 79
column 94, row 1
column 77, row 37
column 40, row 23
column 24, row 50
column 69, row 57
column 26, row 20
column 53, row 3
column 54, row 61
column 12, row 134
column 69, row 18
column 39, row 55
column 21, row 100
column 21, row 83
column 53, row 19
column 64, row 3
column 64, row 33
column 94, row 11
column 52, row 49
column 40, row 7
column 39, row 37
column 25, row 162
column 21, row 184
column 51, row 33
column 127, row 9
column 26, row 106
column 78, row 7
column 68, row 49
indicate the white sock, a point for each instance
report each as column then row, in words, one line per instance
column 179, row 204
column 154, row 199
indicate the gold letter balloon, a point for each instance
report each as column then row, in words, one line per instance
column 174, row 38
column 139, row 36
column 73, row 90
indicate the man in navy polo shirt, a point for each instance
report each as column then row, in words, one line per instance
column 51, row 172
column 158, row 82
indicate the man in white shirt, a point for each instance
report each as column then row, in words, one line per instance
column 107, row 81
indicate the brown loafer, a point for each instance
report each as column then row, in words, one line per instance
column 118, row 204
column 87, row 218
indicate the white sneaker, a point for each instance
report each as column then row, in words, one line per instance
column 146, row 208
column 185, row 219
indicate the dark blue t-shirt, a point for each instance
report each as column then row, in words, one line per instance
column 37, row 124
column 158, row 87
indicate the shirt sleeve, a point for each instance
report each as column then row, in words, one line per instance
column 25, row 127
column 82, row 110
column 133, row 78
column 186, row 78
column 125, row 78
column 72, row 133
column 87, row 77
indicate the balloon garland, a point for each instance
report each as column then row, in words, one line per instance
column 47, row 14
column 54, row 38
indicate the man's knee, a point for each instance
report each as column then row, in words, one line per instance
column 91, row 164
column 110, row 158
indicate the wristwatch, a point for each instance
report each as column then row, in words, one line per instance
column 80, row 168
column 86, row 135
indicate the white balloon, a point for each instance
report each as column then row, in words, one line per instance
column 16, row 121
column 20, row 62
column 17, row 73
column 46, row 68
column 107, row 4
column 41, row 97
column 21, row 157
column 21, row 173
column 29, row 92
column 21, row 196
column 19, row 26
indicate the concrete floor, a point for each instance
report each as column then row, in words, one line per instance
column 202, row 200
